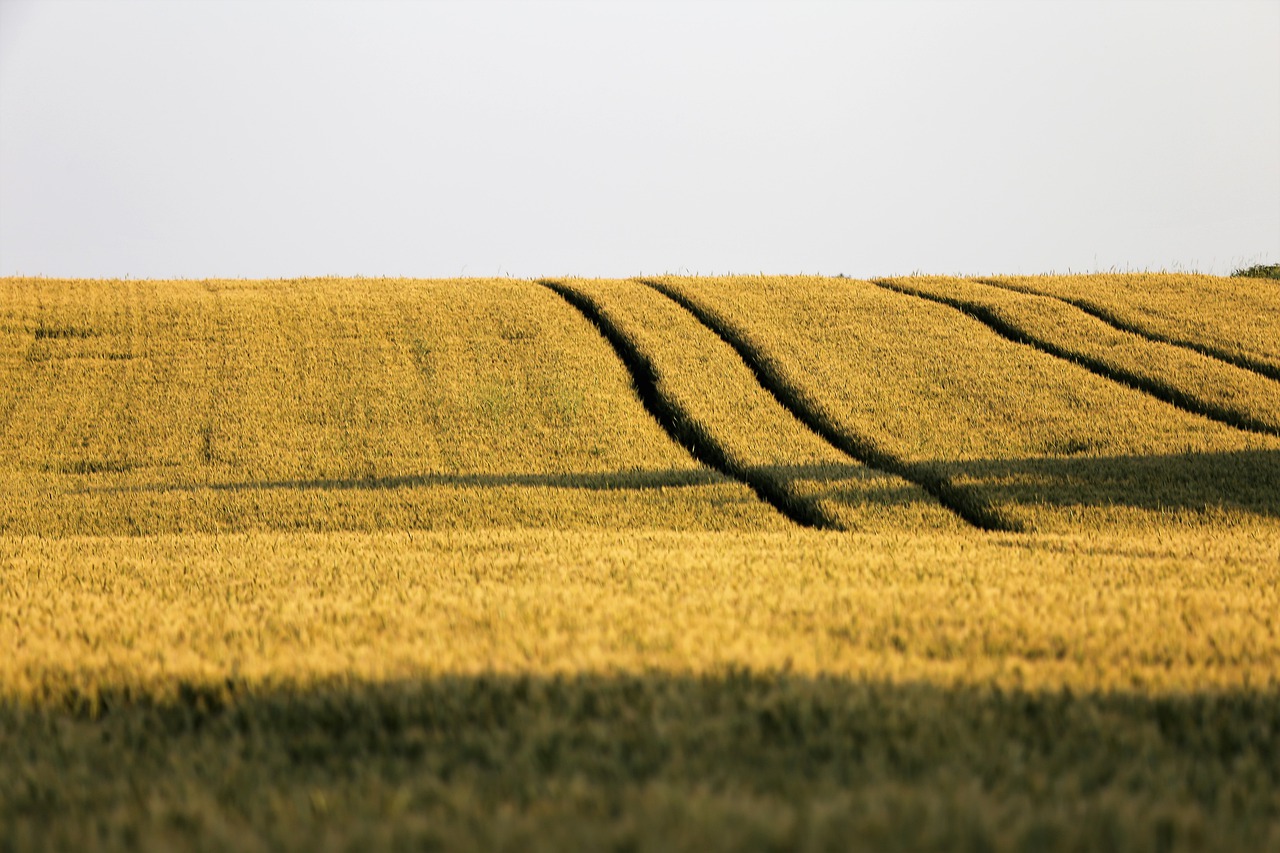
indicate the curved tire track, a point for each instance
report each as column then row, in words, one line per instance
column 680, row 425
column 1244, row 362
column 965, row 503
column 1162, row 391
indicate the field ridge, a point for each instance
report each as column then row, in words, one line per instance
column 683, row 428
column 969, row 507
column 1116, row 321
column 1013, row 331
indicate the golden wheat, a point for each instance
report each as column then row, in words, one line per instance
column 1045, row 442
column 331, row 404
column 1183, row 377
column 1233, row 318
column 715, row 389
column 393, row 564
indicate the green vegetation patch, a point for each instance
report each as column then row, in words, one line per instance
column 736, row 760
column 1258, row 271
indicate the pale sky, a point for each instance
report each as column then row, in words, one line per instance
column 436, row 139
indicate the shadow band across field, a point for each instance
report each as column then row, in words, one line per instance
column 683, row 428
column 1238, row 481
column 1163, row 391
column 1242, row 481
column 965, row 503
column 737, row 758
column 1120, row 324
column 601, row 481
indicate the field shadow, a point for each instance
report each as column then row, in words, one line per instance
column 830, row 480
column 1246, row 481
column 1196, row 483
column 850, row 484
column 737, row 759
column 639, row 479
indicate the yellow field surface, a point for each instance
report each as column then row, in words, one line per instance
column 714, row 388
column 761, row 563
column 1188, row 379
column 1044, row 442
column 135, row 407
column 1234, row 318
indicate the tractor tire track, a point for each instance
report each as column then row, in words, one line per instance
column 1162, row 391
column 965, row 503
column 683, row 428
column 1113, row 320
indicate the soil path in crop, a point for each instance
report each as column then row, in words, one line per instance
column 683, row 428
column 1162, row 389
column 965, row 503
column 1117, row 322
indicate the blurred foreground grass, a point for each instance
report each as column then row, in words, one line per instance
column 536, row 690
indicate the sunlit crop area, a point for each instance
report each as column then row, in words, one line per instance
column 152, row 407
column 675, row 563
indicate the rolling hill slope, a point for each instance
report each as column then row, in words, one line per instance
column 137, row 407
column 142, row 407
column 673, row 563
column 1036, row 440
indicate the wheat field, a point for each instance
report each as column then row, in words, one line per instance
column 656, row 564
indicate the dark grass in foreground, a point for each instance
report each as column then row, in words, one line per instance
column 643, row 762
